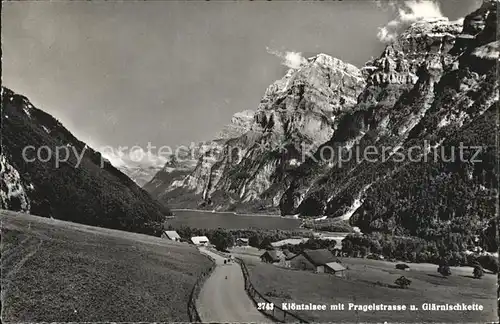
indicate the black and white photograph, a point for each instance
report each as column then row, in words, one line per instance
column 238, row 161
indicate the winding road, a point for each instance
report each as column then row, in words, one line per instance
column 225, row 300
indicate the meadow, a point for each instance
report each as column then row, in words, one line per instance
column 369, row 281
column 56, row 271
column 209, row 220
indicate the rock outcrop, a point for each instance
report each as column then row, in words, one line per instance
column 13, row 192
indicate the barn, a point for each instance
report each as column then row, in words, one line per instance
column 200, row 240
column 313, row 260
column 171, row 235
column 241, row 241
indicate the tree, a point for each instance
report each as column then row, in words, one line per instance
column 363, row 250
column 255, row 240
column 478, row 272
column 222, row 240
column 403, row 282
column 265, row 244
column 347, row 246
column 444, row 270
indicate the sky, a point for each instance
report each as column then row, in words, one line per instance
column 174, row 72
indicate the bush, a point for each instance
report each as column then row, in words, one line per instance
column 478, row 272
column 221, row 239
column 444, row 270
column 402, row 266
column 403, row 282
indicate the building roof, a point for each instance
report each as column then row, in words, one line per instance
column 319, row 257
column 199, row 239
column 335, row 266
column 274, row 255
column 172, row 235
column 288, row 254
column 243, row 239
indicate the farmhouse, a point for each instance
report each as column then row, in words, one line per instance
column 200, row 240
column 292, row 241
column 335, row 268
column 241, row 241
column 171, row 235
column 272, row 256
column 313, row 260
column 288, row 254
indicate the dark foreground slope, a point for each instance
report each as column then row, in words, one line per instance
column 92, row 192
column 60, row 271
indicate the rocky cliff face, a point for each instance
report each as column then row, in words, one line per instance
column 79, row 186
column 13, row 192
column 297, row 113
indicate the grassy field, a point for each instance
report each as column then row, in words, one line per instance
column 209, row 220
column 368, row 282
column 59, row 271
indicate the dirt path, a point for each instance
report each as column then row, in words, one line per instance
column 225, row 300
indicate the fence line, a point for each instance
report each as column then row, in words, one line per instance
column 276, row 313
column 193, row 314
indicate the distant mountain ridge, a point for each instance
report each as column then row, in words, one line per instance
column 89, row 193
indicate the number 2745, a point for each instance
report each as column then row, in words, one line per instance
column 265, row 306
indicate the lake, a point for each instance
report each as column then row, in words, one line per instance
column 212, row 220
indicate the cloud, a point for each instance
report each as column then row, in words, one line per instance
column 408, row 12
column 133, row 157
column 293, row 60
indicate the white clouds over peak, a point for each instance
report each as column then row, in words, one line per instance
column 293, row 60
column 408, row 12
column 132, row 157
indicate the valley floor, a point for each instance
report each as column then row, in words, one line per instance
column 367, row 282
column 56, row 271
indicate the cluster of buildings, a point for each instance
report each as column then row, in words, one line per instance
column 320, row 261
column 200, row 240
column 196, row 240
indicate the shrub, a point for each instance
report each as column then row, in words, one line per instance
column 478, row 272
column 403, row 282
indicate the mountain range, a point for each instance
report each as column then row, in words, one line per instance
column 432, row 90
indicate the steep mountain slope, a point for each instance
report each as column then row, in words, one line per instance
column 185, row 160
column 82, row 187
column 437, row 194
column 298, row 112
